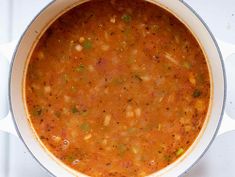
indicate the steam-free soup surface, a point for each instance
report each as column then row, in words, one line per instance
column 117, row 88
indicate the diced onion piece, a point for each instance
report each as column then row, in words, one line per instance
column 192, row 79
column 171, row 98
column 56, row 138
column 105, row 141
column 160, row 99
column 138, row 112
column 113, row 19
column 185, row 120
column 170, row 58
column 159, row 127
column 106, row 91
column 107, row 120
column 187, row 128
column 105, row 47
column 81, row 39
column 47, row 89
column 74, row 134
column 135, row 149
column 134, row 52
column 177, row 137
column 87, row 137
column 129, row 114
column 91, row 68
column 115, row 60
column 177, row 39
column 75, row 162
column 65, row 111
column 66, row 98
column 106, row 35
column 129, row 107
column 142, row 174
column 78, row 47
column 145, row 78
column 200, row 105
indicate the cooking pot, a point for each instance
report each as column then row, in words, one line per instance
column 17, row 122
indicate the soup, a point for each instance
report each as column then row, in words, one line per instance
column 117, row 88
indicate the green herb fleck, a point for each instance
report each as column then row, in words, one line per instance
column 167, row 158
column 126, row 32
column 187, row 65
column 80, row 68
column 37, row 111
column 196, row 93
column 179, row 152
column 126, row 18
column 200, row 78
column 154, row 28
column 121, row 149
column 70, row 158
column 87, row 44
column 74, row 110
column 85, row 127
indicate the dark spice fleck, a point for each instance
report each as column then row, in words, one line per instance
column 196, row 93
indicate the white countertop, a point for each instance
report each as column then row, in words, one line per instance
column 219, row 161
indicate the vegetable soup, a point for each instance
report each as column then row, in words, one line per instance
column 117, row 88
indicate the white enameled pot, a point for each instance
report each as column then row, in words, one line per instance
column 18, row 116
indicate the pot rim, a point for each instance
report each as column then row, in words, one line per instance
column 192, row 11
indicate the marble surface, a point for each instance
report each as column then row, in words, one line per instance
column 219, row 161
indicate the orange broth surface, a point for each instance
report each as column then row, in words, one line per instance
column 117, row 88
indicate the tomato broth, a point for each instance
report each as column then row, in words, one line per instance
column 117, row 88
